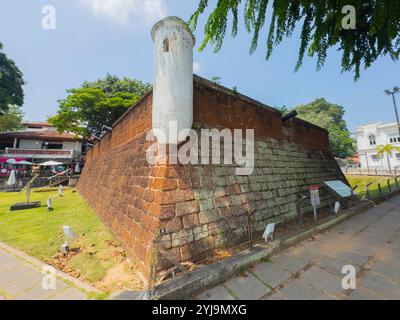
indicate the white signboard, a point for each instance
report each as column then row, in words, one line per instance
column 337, row 207
column 68, row 232
column 314, row 196
column 269, row 232
column 340, row 188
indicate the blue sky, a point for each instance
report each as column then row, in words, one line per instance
column 93, row 37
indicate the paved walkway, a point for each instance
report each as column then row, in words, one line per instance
column 21, row 278
column 312, row 269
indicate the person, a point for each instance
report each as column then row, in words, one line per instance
column 12, row 180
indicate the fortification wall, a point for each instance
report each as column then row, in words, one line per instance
column 201, row 208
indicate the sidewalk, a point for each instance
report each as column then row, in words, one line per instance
column 311, row 269
column 21, row 278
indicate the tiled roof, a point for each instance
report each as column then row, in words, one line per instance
column 37, row 123
column 41, row 135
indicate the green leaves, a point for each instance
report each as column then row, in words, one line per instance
column 329, row 116
column 11, row 82
column 377, row 30
column 11, row 119
column 85, row 110
column 386, row 149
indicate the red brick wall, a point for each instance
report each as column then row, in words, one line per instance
column 202, row 208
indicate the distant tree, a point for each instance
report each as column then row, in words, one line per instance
column 216, row 79
column 11, row 119
column 11, row 82
column 330, row 117
column 85, row 110
column 283, row 109
column 388, row 150
column 324, row 24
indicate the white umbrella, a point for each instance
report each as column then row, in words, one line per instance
column 50, row 163
column 27, row 163
column 77, row 168
column 11, row 161
column 11, row 179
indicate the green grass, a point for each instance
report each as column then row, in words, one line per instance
column 362, row 181
column 38, row 232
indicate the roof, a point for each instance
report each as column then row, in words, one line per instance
column 41, row 134
column 37, row 123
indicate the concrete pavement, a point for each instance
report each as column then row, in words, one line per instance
column 312, row 269
column 22, row 278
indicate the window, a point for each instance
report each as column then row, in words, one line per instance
column 372, row 140
column 52, row 145
column 375, row 158
column 166, row 45
column 394, row 138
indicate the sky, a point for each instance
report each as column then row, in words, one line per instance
column 95, row 37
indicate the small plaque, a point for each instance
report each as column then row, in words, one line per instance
column 340, row 188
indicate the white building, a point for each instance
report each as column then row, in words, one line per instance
column 39, row 141
column 368, row 137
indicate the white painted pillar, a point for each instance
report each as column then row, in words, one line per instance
column 173, row 78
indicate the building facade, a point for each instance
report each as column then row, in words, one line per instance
column 38, row 142
column 369, row 137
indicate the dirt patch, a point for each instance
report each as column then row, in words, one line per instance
column 121, row 277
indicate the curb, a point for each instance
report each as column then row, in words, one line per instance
column 199, row 280
column 39, row 265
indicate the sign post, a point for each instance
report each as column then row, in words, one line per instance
column 314, row 199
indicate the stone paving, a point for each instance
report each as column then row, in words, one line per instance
column 312, row 269
column 21, row 278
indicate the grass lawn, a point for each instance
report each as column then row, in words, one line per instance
column 362, row 181
column 96, row 257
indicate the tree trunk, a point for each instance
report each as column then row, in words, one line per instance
column 390, row 169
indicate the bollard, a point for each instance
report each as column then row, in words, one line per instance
column 380, row 189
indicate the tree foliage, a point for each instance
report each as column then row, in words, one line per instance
column 330, row 117
column 11, row 119
column 377, row 31
column 86, row 109
column 388, row 150
column 11, row 82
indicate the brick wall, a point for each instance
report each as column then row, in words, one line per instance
column 201, row 208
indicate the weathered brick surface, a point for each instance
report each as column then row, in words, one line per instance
column 202, row 208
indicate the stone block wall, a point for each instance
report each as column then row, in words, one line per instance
column 202, row 208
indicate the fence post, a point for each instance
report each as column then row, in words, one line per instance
column 299, row 213
column 396, row 181
column 367, row 190
column 388, row 184
column 353, row 195
column 380, row 189
column 249, row 228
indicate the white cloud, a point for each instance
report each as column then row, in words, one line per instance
column 196, row 67
column 128, row 12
